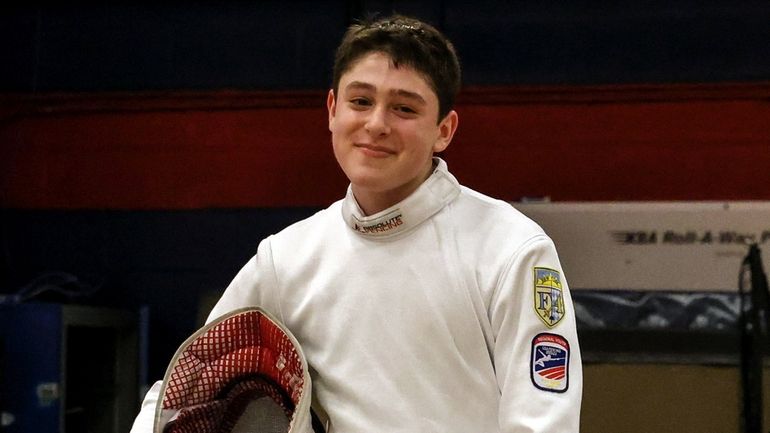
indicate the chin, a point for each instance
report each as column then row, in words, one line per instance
column 372, row 180
column 368, row 181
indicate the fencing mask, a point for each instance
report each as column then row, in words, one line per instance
column 241, row 373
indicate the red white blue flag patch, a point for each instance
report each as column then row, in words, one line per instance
column 550, row 362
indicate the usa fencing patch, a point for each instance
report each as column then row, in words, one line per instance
column 549, row 303
column 549, row 367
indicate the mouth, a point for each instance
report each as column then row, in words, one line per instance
column 374, row 150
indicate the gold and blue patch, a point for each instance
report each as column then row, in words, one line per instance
column 549, row 302
column 549, row 362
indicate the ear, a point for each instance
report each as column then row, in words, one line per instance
column 446, row 130
column 331, row 105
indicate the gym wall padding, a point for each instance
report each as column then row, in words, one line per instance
column 271, row 149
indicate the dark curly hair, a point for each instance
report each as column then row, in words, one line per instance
column 409, row 42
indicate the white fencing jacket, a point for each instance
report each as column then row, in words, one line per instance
column 447, row 313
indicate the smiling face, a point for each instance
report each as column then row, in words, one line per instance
column 385, row 129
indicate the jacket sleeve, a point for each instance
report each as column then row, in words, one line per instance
column 254, row 285
column 536, row 352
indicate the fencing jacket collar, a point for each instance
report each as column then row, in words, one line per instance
column 430, row 197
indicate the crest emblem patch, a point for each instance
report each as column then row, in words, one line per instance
column 550, row 362
column 549, row 303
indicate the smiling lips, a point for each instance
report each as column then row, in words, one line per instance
column 374, row 151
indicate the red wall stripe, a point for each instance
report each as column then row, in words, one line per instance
column 272, row 149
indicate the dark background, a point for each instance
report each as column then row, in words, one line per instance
column 288, row 44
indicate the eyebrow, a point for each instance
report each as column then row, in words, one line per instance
column 399, row 92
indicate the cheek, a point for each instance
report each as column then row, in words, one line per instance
column 344, row 123
column 427, row 140
column 340, row 139
column 337, row 147
column 337, row 128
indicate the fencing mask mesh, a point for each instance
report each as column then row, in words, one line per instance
column 243, row 372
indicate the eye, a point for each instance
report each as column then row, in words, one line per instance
column 405, row 109
column 360, row 102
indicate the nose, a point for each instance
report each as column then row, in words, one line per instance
column 377, row 122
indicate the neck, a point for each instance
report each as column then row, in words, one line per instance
column 372, row 202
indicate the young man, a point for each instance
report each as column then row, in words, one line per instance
column 420, row 305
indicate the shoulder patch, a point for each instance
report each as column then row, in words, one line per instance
column 549, row 304
column 549, row 362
